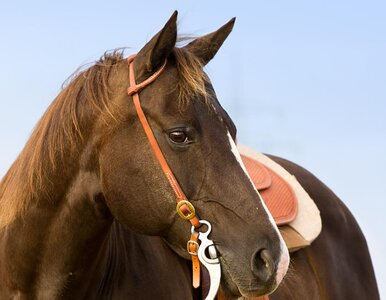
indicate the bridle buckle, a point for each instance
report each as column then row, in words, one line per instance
column 185, row 210
column 192, row 247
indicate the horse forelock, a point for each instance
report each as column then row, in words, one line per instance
column 193, row 80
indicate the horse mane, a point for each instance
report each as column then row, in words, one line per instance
column 60, row 133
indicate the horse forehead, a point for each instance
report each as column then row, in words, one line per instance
column 164, row 95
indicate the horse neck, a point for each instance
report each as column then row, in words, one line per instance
column 55, row 246
column 57, row 239
column 134, row 262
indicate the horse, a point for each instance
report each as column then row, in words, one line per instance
column 87, row 210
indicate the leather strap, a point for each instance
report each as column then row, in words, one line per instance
column 193, row 251
column 133, row 91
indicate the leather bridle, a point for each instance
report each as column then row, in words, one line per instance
column 185, row 208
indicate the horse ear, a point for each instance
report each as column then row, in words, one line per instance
column 154, row 53
column 206, row 47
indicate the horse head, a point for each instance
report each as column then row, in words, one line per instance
column 197, row 139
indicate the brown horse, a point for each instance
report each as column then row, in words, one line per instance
column 85, row 209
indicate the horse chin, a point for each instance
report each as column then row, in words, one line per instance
column 234, row 292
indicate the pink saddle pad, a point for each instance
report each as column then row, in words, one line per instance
column 275, row 191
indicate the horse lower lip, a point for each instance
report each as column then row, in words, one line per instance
column 248, row 292
column 255, row 292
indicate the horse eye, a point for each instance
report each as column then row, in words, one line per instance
column 179, row 137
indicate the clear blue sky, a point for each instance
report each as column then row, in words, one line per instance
column 305, row 80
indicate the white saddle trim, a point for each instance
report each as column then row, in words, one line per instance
column 308, row 222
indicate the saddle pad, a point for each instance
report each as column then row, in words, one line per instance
column 307, row 222
column 277, row 194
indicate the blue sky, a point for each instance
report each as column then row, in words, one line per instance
column 304, row 80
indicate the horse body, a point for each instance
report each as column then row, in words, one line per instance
column 337, row 265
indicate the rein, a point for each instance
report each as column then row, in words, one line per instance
column 184, row 208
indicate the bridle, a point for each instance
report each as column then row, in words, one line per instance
column 184, row 208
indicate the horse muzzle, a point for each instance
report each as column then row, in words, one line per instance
column 267, row 269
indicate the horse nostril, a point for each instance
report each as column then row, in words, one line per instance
column 262, row 265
